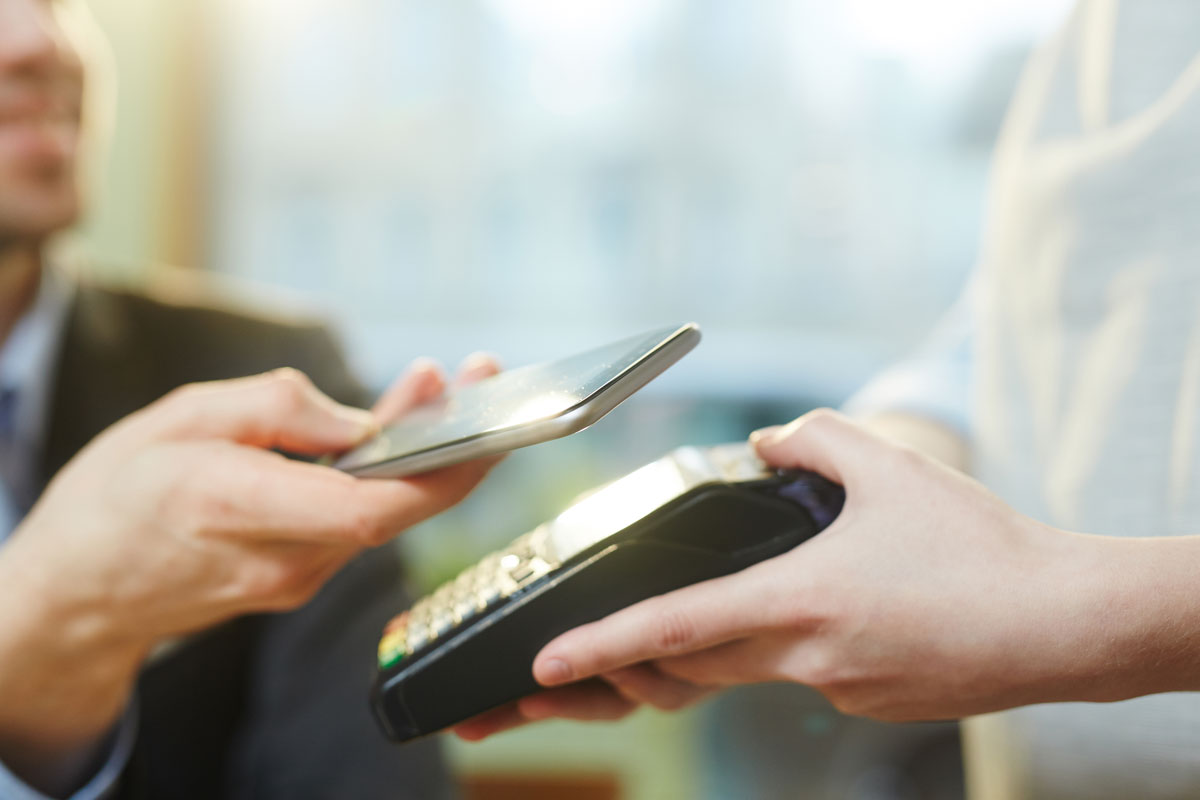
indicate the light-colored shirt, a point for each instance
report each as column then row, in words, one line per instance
column 935, row 381
column 27, row 366
column 1084, row 360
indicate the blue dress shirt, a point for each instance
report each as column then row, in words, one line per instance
column 27, row 362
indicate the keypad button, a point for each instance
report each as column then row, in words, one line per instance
column 465, row 608
column 495, row 577
column 486, row 595
column 506, row 584
column 442, row 622
column 420, row 610
column 392, row 648
column 418, row 637
column 523, row 572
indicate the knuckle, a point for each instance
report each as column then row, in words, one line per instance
column 288, row 389
column 821, row 416
column 367, row 530
column 820, row 422
column 675, row 630
column 265, row 580
column 277, row 585
column 181, row 394
column 290, row 376
column 182, row 401
column 821, row 670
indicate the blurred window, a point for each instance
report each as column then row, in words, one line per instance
column 803, row 178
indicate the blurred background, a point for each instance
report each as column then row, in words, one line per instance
column 803, row 178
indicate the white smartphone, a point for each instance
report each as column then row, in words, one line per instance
column 519, row 407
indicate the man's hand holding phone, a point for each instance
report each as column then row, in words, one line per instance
column 179, row 517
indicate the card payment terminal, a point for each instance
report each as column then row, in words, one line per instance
column 696, row 514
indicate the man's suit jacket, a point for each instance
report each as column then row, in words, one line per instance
column 267, row 706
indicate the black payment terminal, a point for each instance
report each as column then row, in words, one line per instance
column 696, row 514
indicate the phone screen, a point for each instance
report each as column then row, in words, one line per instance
column 512, row 399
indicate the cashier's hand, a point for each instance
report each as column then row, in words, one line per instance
column 913, row 605
column 181, row 516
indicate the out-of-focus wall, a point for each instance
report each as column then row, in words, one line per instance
column 144, row 192
column 803, row 178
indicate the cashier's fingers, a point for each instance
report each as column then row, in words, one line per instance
column 489, row 723
column 647, row 684
column 588, row 701
column 693, row 618
column 755, row 659
column 423, row 382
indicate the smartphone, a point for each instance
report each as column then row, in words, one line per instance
column 693, row 515
column 519, row 407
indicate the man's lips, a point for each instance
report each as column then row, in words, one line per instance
column 37, row 135
column 38, row 107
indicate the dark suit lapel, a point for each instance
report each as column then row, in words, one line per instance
column 103, row 370
column 106, row 369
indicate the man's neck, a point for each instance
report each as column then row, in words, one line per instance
column 20, row 274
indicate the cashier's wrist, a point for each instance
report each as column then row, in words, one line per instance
column 1109, row 619
column 1147, row 616
column 65, row 677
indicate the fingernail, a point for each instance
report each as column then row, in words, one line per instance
column 421, row 363
column 480, row 360
column 424, row 367
column 552, row 672
column 467, row 733
column 364, row 422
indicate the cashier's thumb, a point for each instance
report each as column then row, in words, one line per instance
column 823, row 441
